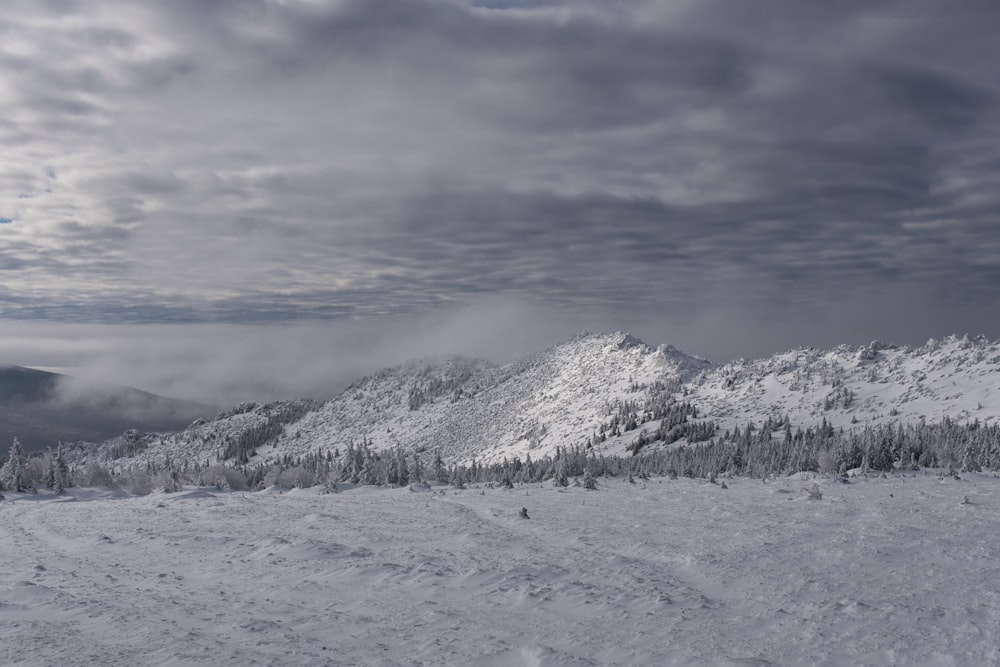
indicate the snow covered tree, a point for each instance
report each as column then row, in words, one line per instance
column 12, row 472
column 402, row 471
column 457, row 477
column 440, row 473
column 417, row 470
column 969, row 460
column 369, row 471
column 357, row 464
column 559, row 476
column 58, row 471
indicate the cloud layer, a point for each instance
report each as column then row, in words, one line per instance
column 806, row 168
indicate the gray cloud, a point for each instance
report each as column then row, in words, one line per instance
column 799, row 170
column 230, row 363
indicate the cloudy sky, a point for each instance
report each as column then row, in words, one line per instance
column 234, row 199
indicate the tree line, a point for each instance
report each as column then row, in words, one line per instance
column 766, row 449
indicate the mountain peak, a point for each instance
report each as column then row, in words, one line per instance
column 620, row 338
column 610, row 391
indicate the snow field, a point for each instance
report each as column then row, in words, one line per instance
column 896, row 571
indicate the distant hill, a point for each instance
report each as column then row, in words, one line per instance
column 611, row 392
column 42, row 408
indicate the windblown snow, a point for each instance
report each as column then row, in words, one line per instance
column 893, row 571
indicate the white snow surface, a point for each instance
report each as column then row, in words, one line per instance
column 957, row 378
column 880, row 571
column 471, row 409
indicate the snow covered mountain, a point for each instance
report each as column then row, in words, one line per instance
column 469, row 409
column 957, row 378
column 607, row 391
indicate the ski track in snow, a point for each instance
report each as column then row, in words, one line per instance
column 896, row 571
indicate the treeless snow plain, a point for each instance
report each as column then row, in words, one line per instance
column 880, row 571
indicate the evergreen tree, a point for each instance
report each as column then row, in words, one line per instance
column 12, row 472
column 60, row 471
column 417, row 470
column 457, row 477
column 559, row 476
column 440, row 473
column 369, row 473
column 402, row 471
column 357, row 463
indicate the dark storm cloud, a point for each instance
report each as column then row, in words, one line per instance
column 652, row 162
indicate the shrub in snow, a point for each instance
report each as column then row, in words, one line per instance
column 296, row 478
column 94, row 474
column 828, row 461
column 136, row 482
column 271, row 477
column 36, row 472
column 223, row 478
column 169, row 481
column 236, row 479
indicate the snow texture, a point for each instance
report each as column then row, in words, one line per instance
column 797, row 571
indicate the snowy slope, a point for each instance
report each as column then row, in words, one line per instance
column 249, row 424
column 664, row 573
column 471, row 409
column 556, row 398
column 463, row 408
column 957, row 378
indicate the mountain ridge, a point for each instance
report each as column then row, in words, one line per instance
column 610, row 392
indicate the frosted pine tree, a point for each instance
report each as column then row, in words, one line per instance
column 969, row 460
column 50, row 474
column 440, row 473
column 402, row 471
column 357, row 465
column 54, row 479
column 457, row 477
column 559, row 476
column 61, row 471
column 417, row 470
column 12, row 472
column 369, row 474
